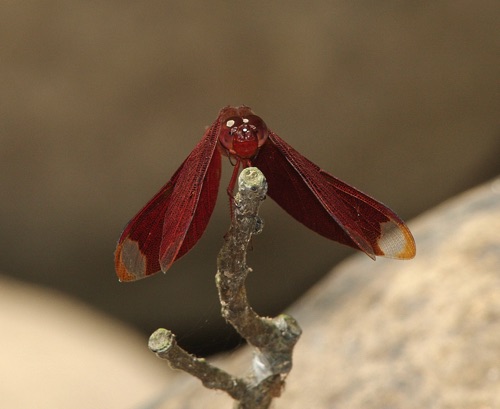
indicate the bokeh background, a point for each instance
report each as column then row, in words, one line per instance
column 102, row 101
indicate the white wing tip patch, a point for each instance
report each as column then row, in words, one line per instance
column 396, row 241
column 130, row 262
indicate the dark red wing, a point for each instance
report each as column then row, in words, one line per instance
column 193, row 201
column 173, row 221
column 329, row 206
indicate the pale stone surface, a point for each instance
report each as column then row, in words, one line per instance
column 407, row 335
column 386, row 334
column 57, row 353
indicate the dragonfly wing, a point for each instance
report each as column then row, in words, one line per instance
column 329, row 206
column 175, row 218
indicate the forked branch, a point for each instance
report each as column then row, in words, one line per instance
column 272, row 338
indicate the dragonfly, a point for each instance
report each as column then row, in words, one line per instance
column 173, row 221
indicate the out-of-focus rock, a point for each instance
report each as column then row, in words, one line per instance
column 416, row 334
column 57, row 353
column 405, row 335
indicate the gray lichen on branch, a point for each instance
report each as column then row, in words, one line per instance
column 272, row 338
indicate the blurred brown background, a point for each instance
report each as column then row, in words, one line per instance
column 102, row 101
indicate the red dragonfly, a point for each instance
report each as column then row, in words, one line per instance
column 176, row 217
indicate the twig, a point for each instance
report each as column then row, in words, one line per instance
column 273, row 339
column 162, row 342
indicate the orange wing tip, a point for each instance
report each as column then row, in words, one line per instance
column 130, row 262
column 396, row 241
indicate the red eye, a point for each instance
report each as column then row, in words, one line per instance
column 228, row 129
column 258, row 127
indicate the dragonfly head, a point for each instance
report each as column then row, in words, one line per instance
column 242, row 132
